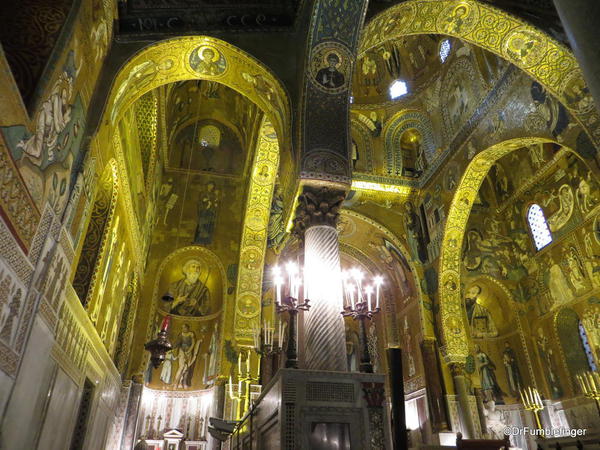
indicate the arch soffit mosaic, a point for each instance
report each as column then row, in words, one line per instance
column 253, row 244
column 451, row 303
column 537, row 54
column 180, row 59
column 416, row 271
column 173, row 60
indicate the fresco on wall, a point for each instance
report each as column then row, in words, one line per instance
column 45, row 157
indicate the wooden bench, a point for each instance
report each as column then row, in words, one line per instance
column 482, row 444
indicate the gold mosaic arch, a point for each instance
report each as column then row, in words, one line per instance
column 248, row 293
column 175, row 60
column 537, row 54
column 451, row 304
column 179, row 59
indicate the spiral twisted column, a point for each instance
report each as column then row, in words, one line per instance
column 324, row 325
column 324, row 334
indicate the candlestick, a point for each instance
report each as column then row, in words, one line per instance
column 530, row 397
column 165, row 323
column 362, row 310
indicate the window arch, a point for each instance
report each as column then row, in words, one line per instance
column 540, row 231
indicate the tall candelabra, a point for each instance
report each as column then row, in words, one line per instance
column 590, row 386
column 245, row 380
column 358, row 304
column 264, row 338
column 530, row 397
column 289, row 303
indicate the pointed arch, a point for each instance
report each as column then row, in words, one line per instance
column 451, row 302
column 395, row 128
column 540, row 56
column 97, row 232
column 181, row 59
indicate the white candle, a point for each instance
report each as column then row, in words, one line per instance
column 369, row 291
column 248, row 363
column 359, row 297
column 539, row 398
column 279, row 281
column 280, row 334
column 378, row 282
column 240, row 362
column 230, row 388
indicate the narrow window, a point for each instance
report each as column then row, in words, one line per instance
column 444, row 50
column 538, row 226
column 397, row 89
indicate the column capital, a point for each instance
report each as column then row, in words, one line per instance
column 457, row 369
column 318, row 205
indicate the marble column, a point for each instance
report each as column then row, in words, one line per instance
column 580, row 19
column 325, row 342
column 131, row 415
column 435, row 389
column 462, row 395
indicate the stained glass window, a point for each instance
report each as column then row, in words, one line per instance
column 538, row 226
column 397, row 89
column 444, row 50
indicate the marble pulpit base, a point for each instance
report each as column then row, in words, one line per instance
column 305, row 409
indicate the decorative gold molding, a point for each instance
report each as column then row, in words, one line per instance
column 254, row 234
column 133, row 227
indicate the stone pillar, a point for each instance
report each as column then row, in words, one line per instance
column 460, row 386
column 435, row 389
column 131, row 415
column 580, row 18
column 325, row 343
column 219, row 407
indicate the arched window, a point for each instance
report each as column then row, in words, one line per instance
column 538, row 226
column 444, row 50
column 586, row 346
column 397, row 89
